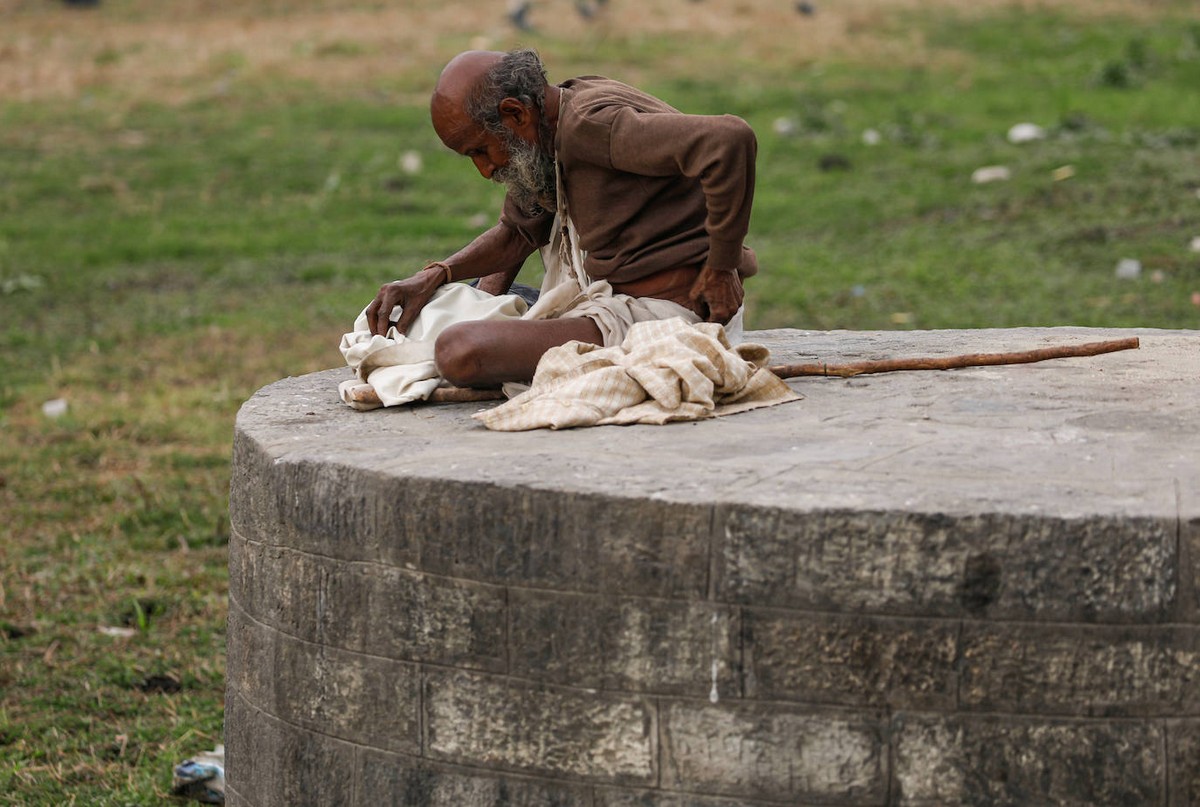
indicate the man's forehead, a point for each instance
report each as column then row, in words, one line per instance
column 465, row 140
column 454, row 126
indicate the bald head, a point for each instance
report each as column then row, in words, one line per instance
column 475, row 84
column 460, row 79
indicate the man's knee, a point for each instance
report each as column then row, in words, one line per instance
column 460, row 354
column 487, row 353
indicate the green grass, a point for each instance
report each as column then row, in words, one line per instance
column 158, row 263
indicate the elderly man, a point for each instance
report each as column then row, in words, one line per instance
column 646, row 207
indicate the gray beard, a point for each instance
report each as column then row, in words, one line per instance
column 529, row 176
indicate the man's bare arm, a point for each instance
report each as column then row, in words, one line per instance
column 495, row 255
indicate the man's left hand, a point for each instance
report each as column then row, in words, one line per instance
column 717, row 294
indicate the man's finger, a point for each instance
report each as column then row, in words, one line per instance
column 724, row 307
column 407, row 314
column 371, row 315
column 383, row 317
column 719, row 315
column 378, row 319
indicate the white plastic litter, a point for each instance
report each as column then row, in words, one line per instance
column 119, row 633
column 55, row 408
column 1026, row 133
column 411, row 162
column 201, row 778
column 784, row 126
column 1129, row 268
column 990, row 173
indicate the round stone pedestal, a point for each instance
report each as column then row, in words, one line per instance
column 966, row 587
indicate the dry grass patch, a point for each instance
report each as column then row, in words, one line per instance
column 149, row 50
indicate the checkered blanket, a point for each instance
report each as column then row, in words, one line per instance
column 665, row 370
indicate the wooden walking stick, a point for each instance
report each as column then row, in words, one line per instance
column 952, row 362
column 365, row 394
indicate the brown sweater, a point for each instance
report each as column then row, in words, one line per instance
column 649, row 188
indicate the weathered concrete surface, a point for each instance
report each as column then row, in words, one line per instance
column 977, row 586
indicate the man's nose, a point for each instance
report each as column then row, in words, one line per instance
column 484, row 165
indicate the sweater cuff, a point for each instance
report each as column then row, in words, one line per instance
column 724, row 256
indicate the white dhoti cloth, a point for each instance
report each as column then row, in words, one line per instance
column 401, row 369
column 399, row 366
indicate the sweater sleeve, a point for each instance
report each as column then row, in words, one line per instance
column 719, row 151
column 533, row 230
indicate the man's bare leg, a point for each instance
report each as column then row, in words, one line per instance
column 488, row 353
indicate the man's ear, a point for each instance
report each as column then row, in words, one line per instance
column 514, row 114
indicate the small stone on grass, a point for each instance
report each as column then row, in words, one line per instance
column 1129, row 269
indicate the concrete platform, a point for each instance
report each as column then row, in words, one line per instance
column 972, row 586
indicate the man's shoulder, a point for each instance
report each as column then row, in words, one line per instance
column 589, row 95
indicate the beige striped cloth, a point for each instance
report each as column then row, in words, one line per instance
column 664, row 370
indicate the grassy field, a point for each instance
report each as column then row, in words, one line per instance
column 196, row 198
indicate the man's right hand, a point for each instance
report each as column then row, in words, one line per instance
column 718, row 294
column 411, row 294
